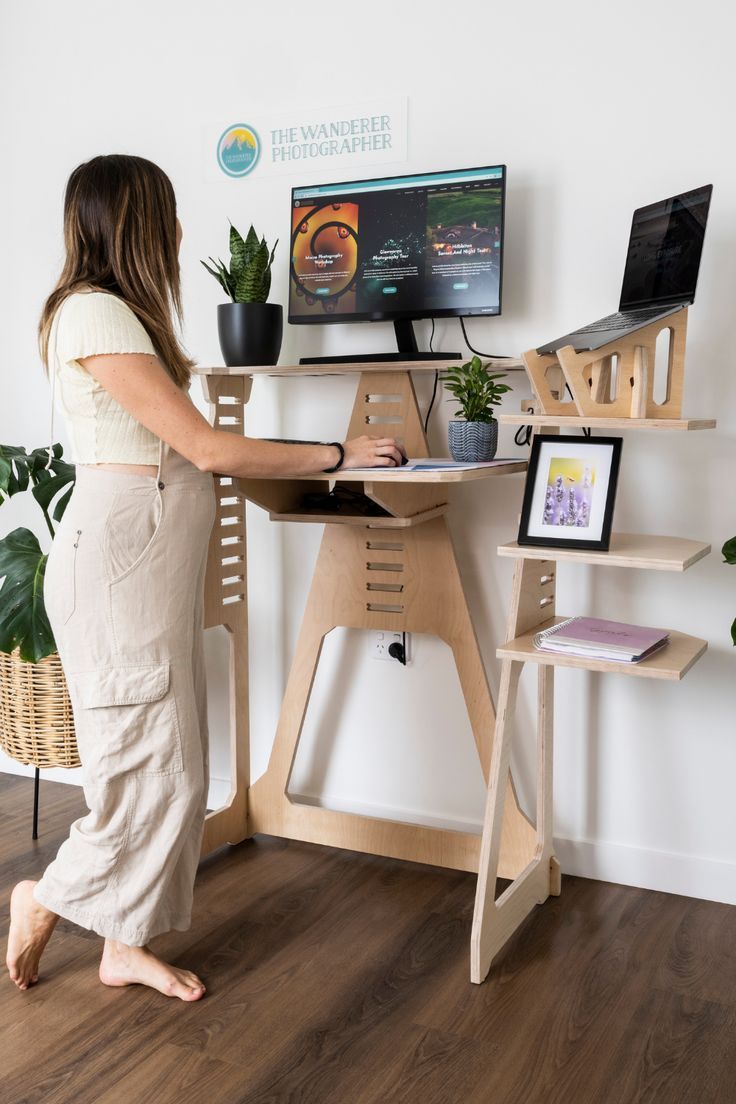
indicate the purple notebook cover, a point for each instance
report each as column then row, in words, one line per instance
column 604, row 634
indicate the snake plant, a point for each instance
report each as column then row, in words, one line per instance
column 248, row 279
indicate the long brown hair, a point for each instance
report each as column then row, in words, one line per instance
column 120, row 237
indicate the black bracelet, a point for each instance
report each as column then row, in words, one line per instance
column 297, row 441
column 342, row 456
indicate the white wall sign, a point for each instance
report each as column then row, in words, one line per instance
column 317, row 140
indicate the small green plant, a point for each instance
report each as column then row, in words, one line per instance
column 248, row 279
column 475, row 390
column 23, row 619
column 729, row 557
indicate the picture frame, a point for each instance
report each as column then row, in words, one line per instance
column 570, row 492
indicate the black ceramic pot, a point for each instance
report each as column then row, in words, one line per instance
column 250, row 333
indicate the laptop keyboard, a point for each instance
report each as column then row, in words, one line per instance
column 621, row 318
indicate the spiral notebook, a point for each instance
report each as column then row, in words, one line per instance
column 595, row 638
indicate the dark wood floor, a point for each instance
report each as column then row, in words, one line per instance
column 340, row 978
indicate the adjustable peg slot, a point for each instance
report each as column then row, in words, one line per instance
column 382, row 607
column 392, row 546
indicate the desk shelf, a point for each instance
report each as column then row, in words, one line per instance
column 372, row 521
column 374, row 367
column 403, row 478
column 671, row 662
column 626, row 550
column 408, row 498
column 576, row 422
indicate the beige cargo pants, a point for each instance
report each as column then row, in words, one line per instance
column 124, row 592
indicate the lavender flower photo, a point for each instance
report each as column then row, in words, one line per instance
column 570, row 491
column 568, row 497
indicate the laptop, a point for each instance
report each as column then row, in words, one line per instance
column 661, row 272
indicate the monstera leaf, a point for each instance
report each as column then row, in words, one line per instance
column 19, row 469
column 729, row 556
column 23, row 619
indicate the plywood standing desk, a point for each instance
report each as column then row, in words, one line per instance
column 396, row 572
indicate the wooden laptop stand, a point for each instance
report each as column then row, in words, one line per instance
column 589, row 375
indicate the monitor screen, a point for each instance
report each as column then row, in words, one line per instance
column 428, row 245
column 664, row 249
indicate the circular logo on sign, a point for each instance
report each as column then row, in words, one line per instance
column 238, row 150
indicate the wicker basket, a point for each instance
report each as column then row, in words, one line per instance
column 36, row 720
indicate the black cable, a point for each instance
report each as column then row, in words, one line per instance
column 493, row 356
column 523, row 434
column 436, row 379
column 585, row 429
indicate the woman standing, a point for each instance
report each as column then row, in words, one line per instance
column 124, row 583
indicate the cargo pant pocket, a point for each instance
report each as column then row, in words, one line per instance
column 132, row 527
column 127, row 720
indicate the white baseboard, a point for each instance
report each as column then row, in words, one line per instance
column 664, row 871
column 645, row 868
column 624, row 864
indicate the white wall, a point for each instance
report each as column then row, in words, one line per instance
column 596, row 109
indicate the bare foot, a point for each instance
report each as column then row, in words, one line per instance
column 124, row 965
column 31, row 926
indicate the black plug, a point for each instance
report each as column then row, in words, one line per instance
column 398, row 651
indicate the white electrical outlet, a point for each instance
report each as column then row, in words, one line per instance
column 382, row 641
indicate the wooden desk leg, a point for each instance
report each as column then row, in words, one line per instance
column 494, row 921
column 349, row 589
column 226, row 605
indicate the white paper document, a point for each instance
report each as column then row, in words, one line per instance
column 441, row 463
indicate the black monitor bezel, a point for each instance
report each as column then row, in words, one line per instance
column 663, row 300
column 409, row 315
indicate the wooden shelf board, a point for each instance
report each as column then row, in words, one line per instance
column 498, row 364
column 396, row 475
column 606, row 423
column 376, row 521
column 671, row 662
column 626, row 550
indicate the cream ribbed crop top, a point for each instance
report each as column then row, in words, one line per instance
column 100, row 429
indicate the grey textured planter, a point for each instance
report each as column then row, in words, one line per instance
column 473, row 442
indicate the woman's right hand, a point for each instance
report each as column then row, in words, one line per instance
column 373, row 452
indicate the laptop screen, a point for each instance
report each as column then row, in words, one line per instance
column 664, row 250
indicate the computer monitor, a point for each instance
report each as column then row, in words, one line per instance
column 401, row 248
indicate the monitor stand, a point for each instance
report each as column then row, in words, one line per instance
column 407, row 350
